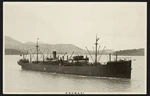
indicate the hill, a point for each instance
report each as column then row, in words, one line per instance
column 14, row 46
column 10, row 43
column 13, row 52
column 131, row 52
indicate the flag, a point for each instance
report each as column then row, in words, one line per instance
column 97, row 39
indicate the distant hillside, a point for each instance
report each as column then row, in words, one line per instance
column 131, row 52
column 13, row 52
column 10, row 43
column 104, row 52
column 15, row 47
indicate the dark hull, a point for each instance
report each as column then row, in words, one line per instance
column 112, row 69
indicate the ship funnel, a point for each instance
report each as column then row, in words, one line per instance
column 116, row 57
column 54, row 54
column 110, row 57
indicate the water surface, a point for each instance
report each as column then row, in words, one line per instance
column 16, row 80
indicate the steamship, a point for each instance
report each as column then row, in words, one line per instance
column 78, row 65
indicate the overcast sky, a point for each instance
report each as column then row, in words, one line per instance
column 118, row 25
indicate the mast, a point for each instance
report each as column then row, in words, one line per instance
column 89, row 54
column 30, row 57
column 37, row 49
column 96, row 49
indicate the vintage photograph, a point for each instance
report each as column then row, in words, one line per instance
column 74, row 47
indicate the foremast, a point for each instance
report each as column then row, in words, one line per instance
column 96, row 49
column 37, row 46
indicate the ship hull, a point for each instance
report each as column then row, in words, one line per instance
column 111, row 69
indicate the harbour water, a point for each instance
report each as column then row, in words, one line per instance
column 16, row 80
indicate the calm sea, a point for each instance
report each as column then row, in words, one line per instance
column 16, row 80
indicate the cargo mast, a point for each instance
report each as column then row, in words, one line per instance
column 37, row 49
column 96, row 49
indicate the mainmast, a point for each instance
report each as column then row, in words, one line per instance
column 96, row 49
column 37, row 49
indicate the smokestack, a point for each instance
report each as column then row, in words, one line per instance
column 110, row 57
column 58, row 57
column 54, row 54
column 67, row 57
column 116, row 57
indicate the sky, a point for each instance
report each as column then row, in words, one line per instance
column 119, row 25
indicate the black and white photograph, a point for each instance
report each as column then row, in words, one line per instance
column 74, row 47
